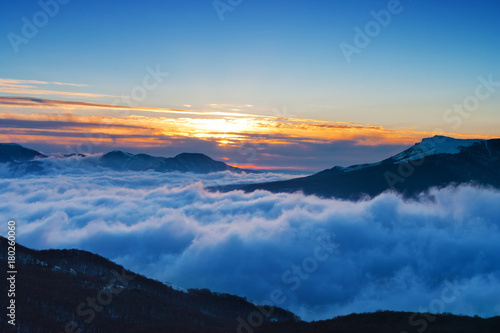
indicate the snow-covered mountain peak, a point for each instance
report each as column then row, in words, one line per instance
column 432, row 146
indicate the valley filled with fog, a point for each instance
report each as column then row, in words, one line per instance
column 327, row 257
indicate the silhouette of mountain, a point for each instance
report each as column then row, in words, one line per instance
column 389, row 321
column 185, row 162
column 20, row 159
column 24, row 160
column 434, row 162
column 57, row 287
column 12, row 152
column 77, row 291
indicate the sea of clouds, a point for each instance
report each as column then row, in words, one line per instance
column 440, row 253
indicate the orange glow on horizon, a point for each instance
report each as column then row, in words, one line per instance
column 225, row 131
column 119, row 126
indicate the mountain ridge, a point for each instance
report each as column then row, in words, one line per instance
column 137, row 303
column 437, row 144
column 59, row 284
column 409, row 173
column 14, row 152
column 29, row 160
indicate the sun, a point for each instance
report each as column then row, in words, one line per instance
column 223, row 125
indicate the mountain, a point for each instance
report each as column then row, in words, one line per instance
column 24, row 160
column 185, row 162
column 21, row 160
column 435, row 162
column 389, row 321
column 77, row 291
column 12, row 152
column 55, row 287
column 435, row 146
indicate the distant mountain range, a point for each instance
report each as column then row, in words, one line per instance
column 56, row 289
column 29, row 160
column 435, row 162
column 185, row 162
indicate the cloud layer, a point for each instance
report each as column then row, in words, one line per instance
column 328, row 257
column 242, row 139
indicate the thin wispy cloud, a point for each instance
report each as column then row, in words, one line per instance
column 231, row 107
column 30, row 91
column 32, row 87
column 245, row 140
column 22, row 82
column 210, row 123
column 41, row 103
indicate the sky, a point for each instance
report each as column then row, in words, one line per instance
column 266, row 84
column 303, row 85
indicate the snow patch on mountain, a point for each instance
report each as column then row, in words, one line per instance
column 433, row 146
column 360, row 166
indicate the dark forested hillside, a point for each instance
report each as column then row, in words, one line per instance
column 390, row 322
column 77, row 291
column 57, row 287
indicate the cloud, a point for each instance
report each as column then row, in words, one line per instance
column 31, row 87
column 22, row 82
column 24, row 102
column 30, row 91
column 244, row 140
column 384, row 253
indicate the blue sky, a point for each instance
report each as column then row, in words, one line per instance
column 280, row 57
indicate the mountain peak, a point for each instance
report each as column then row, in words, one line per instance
column 438, row 144
column 184, row 162
column 198, row 156
column 450, row 161
column 13, row 152
column 118, row 153
column 10, row 144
